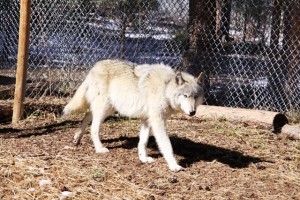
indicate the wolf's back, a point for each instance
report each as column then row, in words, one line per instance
column 78, row 103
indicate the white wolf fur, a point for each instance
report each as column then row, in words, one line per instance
column 149, row 92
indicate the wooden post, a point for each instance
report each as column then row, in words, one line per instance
column 18, row 109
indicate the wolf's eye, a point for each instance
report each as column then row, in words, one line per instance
column 185, row 95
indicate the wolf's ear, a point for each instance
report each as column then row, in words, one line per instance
column 179, row 79
column 200, row 79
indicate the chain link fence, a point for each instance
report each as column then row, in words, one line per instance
column 251, row 58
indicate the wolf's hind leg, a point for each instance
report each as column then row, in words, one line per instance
column 144, row 137
column 100, row 110
column 85, row 122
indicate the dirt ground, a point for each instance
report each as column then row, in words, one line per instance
column 222, row 160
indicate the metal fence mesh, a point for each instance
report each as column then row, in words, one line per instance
column 251, row 60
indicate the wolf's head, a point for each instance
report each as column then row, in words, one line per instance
column 188, row 92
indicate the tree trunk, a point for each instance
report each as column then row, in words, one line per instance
column 276, row 72
column 223, row 8
column 291, row 47
column 219, row 6
column 123, row 37
column 202, row 33
column 275, row 31
column 245, row 21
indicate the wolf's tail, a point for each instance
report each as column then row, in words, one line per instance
column 78, row 103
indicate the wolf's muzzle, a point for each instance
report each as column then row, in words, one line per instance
column 192, row 113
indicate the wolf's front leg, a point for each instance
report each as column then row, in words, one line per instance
column 144, row 137
column 164, row 143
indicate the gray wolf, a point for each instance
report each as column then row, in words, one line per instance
column 149, row 92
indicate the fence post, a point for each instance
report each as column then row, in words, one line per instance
column 19, row 97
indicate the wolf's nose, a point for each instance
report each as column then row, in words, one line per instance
column 192, row 113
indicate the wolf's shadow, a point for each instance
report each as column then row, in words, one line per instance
column 193, row 152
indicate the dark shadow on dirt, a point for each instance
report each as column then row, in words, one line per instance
column 6, row 80
column 43, row 130
column 46, row 130
column 194, row 152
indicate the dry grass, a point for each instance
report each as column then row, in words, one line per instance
column 222, row 160
column 293, row 116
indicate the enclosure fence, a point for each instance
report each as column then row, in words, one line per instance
column 251, row 57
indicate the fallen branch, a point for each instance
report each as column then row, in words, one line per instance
column 292, row 131
column 277, row 122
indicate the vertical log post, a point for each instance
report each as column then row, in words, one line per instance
column 18, row 109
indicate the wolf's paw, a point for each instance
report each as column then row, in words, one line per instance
column 76, row 141
column 102, row 150
column 77, row 138
column 146, row 159
column 175, row 167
